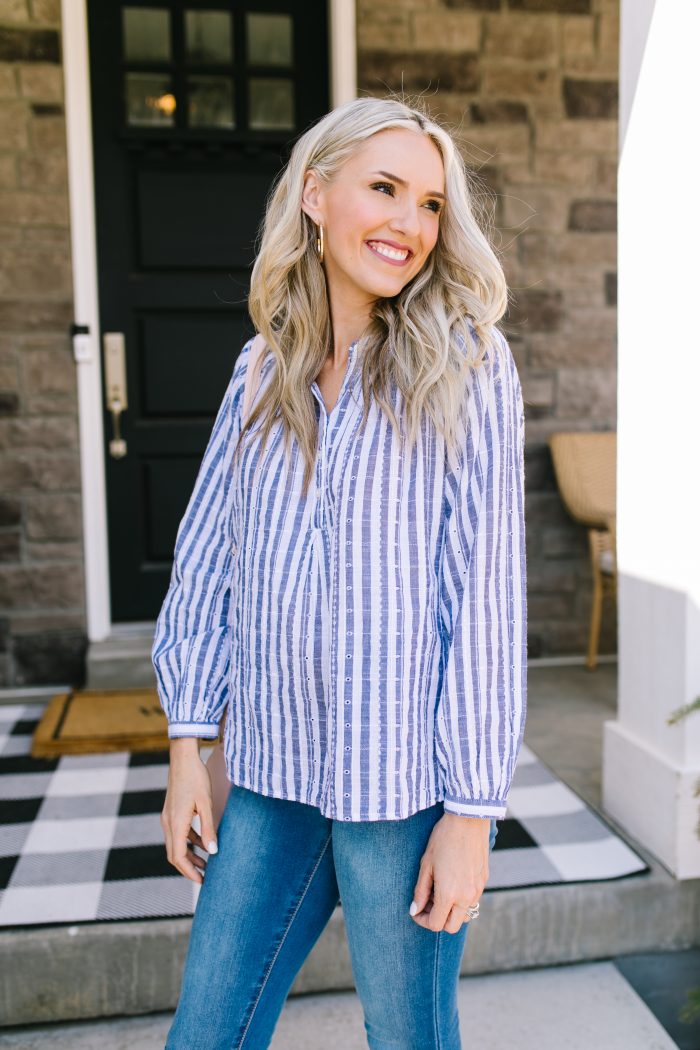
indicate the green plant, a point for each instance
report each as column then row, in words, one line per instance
column 692, row 1006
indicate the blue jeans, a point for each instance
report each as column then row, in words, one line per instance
column 267, row 895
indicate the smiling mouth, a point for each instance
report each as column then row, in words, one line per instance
column 397, row 256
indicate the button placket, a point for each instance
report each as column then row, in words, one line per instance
column 336, row 705
column 321, row 519
column 320, row 472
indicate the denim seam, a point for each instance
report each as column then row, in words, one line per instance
column 279, row 946
column 435, row 990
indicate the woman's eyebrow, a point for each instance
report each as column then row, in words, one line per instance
column 402, row 182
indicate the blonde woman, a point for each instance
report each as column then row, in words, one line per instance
column 348, row 588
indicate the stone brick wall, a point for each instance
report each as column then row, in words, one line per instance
column 532, row 84
column 531, row 88
column 42, row 615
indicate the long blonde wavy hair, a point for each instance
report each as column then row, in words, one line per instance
column 411, row 340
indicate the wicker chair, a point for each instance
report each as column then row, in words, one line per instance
column 585, row 470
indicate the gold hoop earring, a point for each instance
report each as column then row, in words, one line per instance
column 320, row 241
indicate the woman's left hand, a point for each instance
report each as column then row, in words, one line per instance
column 454, row 871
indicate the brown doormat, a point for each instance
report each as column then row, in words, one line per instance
column 95, row 720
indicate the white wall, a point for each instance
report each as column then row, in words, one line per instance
column 649, row 768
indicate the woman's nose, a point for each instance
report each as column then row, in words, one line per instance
column 406, row 221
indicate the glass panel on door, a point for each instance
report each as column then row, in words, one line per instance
column 210, row 102
column 208, row 37
column 269, row 39
column 270, row 103
column 150, row 101
column 146, row 34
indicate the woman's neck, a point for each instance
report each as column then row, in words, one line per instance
column 350, row 316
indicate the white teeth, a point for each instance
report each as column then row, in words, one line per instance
column 391, row 253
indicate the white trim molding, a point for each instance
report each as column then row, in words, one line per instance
column 342, row 30
column 87, row 348
column 76, row 80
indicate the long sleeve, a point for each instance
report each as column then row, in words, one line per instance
column 481, row 710
column 192, row 639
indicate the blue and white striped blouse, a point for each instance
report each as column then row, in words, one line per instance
column 369, row 639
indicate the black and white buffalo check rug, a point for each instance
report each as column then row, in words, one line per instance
column 81, row 841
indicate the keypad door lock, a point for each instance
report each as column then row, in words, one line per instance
column 115, row 388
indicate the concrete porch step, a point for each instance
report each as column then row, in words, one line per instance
column 127, row 968
column 547, row 1009
column 123, row 660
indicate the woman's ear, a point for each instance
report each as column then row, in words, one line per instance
column 311, row 196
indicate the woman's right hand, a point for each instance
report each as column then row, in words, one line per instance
column 188, row 793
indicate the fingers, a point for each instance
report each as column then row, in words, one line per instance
column 199, row 862
column 436, row 918
column 428, row 912
column 180, row 838
column 193, row 839
column 208, row 834
column 442, row 916
column 453, row 874
column 172, row 849
column 179, row 857
column 436, row 912
column 422, row 890
column 196, row 839
column 202, row 832
column 187, row 818
column 457, row 917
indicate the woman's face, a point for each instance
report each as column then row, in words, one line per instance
column 380, row 214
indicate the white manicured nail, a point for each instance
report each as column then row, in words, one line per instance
column 212, row 847
column 413, row 909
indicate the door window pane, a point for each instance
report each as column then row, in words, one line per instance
column 146, row 34
column 270, row 103
column 210, row 102
column 269, row 40
column 208, row 36
column 150, row 99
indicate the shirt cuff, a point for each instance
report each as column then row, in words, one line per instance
column 206, row 730
column 475, row 808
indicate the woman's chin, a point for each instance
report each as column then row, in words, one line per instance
column 385, row 289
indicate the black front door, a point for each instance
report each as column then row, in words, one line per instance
column 195, row 106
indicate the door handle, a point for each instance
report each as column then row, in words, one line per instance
column 115, row 388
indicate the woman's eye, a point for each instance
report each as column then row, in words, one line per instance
column 387, row 187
